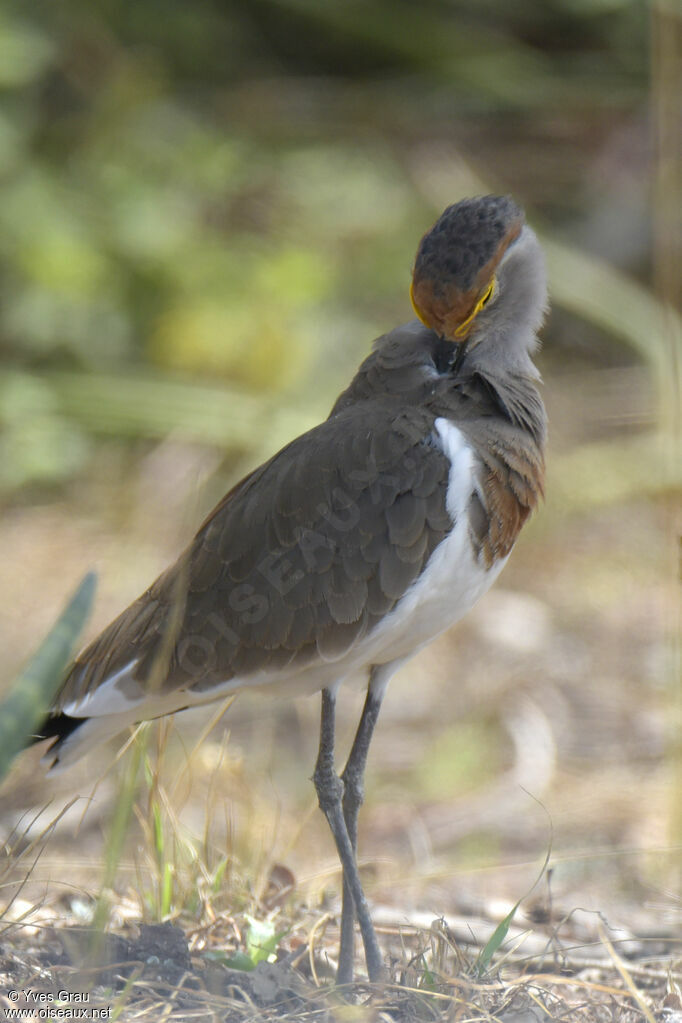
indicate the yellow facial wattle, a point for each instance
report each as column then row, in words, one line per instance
column 483, row 300
column 416, row 307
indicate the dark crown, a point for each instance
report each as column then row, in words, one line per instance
column 464, row 238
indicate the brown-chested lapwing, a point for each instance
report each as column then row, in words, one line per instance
column 361, row 540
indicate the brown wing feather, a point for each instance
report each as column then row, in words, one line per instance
column 298, row 561
column 511, row 477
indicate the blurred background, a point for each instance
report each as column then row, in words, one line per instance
column 207, row 213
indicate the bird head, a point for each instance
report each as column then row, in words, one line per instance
column 478, row 267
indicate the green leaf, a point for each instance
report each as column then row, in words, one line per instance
column 497, row 937
column 240, row 961
column 30, row 697
column 262, row 939
column 428, row 980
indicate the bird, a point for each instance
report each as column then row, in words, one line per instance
column 361, row 540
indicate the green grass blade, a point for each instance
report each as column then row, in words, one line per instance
column 167, row 890
column 158, row 833
column 30, row 697
column 500, row 933
column 495, row 940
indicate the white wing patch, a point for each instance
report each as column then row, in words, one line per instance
column 461, row 457
column 115, row 695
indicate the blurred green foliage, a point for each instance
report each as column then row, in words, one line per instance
column 233, row 191
column 459, row 759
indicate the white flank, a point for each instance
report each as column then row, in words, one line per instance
column 454, row 579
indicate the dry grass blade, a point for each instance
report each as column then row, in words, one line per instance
column 627, row 979
column 203, row 735
column 24, row 852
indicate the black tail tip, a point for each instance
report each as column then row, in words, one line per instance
column 55, row 726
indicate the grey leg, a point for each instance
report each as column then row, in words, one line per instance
column 329, row 788
column 353, row 795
